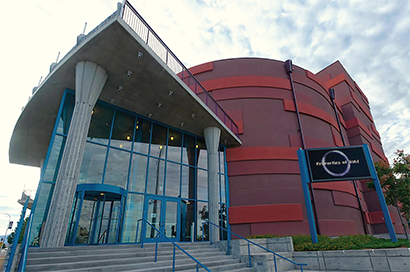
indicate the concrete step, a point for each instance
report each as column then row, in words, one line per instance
column 130, row 258
column 124, row 256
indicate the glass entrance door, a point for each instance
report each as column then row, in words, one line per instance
column 95, row 218
column 161, row 213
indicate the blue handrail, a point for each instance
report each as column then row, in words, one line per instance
column 17, row 236
column 198, row 263
column 25, row 245
column 249, row 249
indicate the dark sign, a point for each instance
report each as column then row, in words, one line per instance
column 341, row 163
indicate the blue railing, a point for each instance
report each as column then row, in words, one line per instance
column 163, row 236
column 17, row 236
column 25, row 245
column 249, row 248
column 148, row 35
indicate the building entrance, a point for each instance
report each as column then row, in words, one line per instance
column 96, row 217
column 163, row 214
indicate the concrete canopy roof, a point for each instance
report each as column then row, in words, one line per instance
column 114, row 46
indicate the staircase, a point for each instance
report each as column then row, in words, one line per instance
column 131, row 258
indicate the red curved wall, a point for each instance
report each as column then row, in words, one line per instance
column 265, row 186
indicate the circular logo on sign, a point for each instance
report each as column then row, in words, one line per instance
column 333, row 173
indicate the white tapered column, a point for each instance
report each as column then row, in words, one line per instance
column 89, row 82
column 212, row 135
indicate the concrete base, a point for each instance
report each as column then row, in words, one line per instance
column 395, row 259
column 381, row 260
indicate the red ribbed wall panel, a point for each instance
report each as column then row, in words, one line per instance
column 265, row 186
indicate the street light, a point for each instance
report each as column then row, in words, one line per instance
column 8, row 227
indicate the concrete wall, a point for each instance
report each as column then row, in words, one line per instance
column 396, row 259
column 381, row 260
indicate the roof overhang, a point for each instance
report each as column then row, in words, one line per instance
column 114, row 46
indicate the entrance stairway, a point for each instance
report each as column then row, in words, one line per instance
column 131, row 258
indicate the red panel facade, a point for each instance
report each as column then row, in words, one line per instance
column 265, row 187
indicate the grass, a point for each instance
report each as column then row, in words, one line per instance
column 304, row 242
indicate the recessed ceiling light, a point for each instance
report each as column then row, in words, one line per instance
column 159, row 105
column 172, row 138
column 120, row 88
column 171, row 93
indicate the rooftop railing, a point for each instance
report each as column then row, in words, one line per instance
column 148, row 35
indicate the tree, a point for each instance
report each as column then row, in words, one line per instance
column 23, row 230
column 395, row 182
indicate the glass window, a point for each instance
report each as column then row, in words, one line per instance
column 142, row 136
column 159, row 141
column 54, row 159
column 123, row 130
column 43, row 202
column 133, row 212
column 155, row 183
column 66, row 114
column 188, row 154
column 221, row 160
column 203, row 155
column 202, row 216
column 174, row 145
column 188, row 182
column 187, row 211
column 202, row 179
column 92, row 166
column 172, row 181
column 223, row 189
column 100, row 126
column 138, row 173
column 116, row 172
column 223, row 221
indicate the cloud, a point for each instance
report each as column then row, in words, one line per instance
column 370, row 38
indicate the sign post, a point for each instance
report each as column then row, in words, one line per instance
column 339, row 164
column 305, row 180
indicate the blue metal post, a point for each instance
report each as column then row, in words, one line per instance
column 380, row 195
column 249, row 254
column 304, row 174
column 173, row 260
column 274, row 260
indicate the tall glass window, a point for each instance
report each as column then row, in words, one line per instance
column 100, row 125
column 92, row 167
column 123, row 130
column 116, row 172
column 148, row 160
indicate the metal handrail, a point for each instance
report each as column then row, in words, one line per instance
column 198, row 263
column 249, row 249
column 17, row 236
column 149, row 36
column 25, row 245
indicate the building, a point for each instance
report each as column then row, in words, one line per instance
column 123, row 131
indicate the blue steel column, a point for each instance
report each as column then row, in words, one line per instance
column 380, row 195
column 304, row 174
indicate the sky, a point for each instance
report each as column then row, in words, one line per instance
column 370, row 38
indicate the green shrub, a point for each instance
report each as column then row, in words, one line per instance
column 304, row 242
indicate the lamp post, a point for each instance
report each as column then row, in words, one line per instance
column 5, row 235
